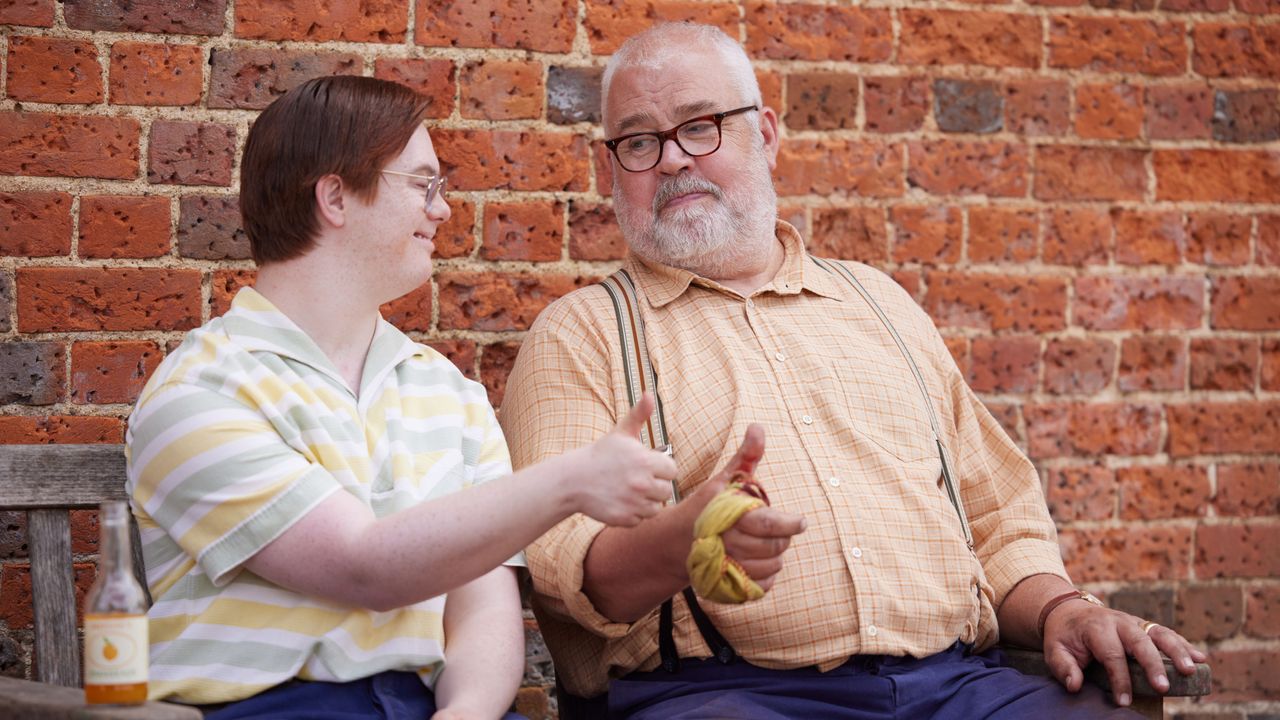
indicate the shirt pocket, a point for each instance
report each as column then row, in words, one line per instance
column 886, row 407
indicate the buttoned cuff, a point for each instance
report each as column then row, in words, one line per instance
column 556, row 563
column 1018, row 561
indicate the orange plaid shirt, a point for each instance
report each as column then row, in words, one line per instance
column 883, row 567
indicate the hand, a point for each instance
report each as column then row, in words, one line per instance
column 760, row 537
column 1077, row 632
column 621, row 481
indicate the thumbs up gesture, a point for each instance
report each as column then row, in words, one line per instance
column 619, row 480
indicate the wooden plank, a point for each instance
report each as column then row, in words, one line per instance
column 44, row 476
column 1032, row 662
column 37, row 701
column 54, row 597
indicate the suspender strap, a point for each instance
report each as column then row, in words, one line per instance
column 640, row 377
column 947, row 478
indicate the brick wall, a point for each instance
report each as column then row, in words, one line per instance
column 1085, row 195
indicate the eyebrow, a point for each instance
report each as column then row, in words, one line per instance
column 688, row 110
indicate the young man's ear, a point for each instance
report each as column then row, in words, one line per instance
column 329, row 201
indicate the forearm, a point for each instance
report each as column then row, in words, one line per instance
column 484, row 647
column 1021, row 608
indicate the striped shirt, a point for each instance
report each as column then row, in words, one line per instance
column 239, row 433
column 883, row 567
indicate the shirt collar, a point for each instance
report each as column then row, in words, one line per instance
column 660, row 284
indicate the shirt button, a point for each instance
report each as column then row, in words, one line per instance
column 806, row 419
column 872, row 631
column 856, row 552
column 779, row 356
column 751, row 304
column 833, row 482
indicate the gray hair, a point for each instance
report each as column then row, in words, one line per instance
column 664, row 41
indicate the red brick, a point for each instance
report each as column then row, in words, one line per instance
column 1153, row 603
column 909, row 280
column 1237, row 51
column 951, row 167
column 1209, row 612
column 770, row 89
column 6, row 302
column 1080, row 430
column 1007, row 415
column 32, row 373
column 1149, row 237
column 958, row 346
column 1262, row 612
column 1229, row 427
column 1223, row 175
column 156, row 74
column 573, row 94
column 35, row 13
column 111, row 372
column 1244, row 675
column 594, row 233
column 498, row 302
column 831, row 167
column 495, row 366
column 546, row 26
column 929, row 234
column 35, row 224
column 60, row 299
column 190, row 153
column 1078, row 365
column 850, row 233
column 462, row 353
column 1150, row 362
column 1077, row 236
column 1238, row 550
column 116, row 226
column 818, row 32
column 1002, row 235
column 1219, row 238
column 1134, row 553
column 821, row 101
column 16, row 599
column 1245, row 303
column 209, row 228
column 1109, row 112
column 523, row 231
column 85, row 531
column 602, row 162
column 1006, row 364
column 250, row 78
column 1107, row 44
column 1195, row 5
column 896, row 104
column 1038, row 107
column 1033, row 303
column 968, row 106
column 1167, row 302
column 1156, row 492
column 609, row 23
column 60, row 429
column 1223, row 363
column 797, row 216
column 431, row 77
column 1081, row 493
column 514, row 160
column 411, row 312
column 366, row 21
column 1090, row 173
column 1258, row 7
column 1248, row 490
column 501, row 89
column 1269, row 377
column 1269, row 240
column 951, row 37
column 532, row 702
column 1178, row 112
column 191, row 17
column 54, row 70
column 68, row 145
column 1246, row 116
column 225, row 285
column 457, row 237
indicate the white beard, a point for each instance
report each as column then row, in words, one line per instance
column 711, row 238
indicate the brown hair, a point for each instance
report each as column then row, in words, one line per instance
column 342, row 125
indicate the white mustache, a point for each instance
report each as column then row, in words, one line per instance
column 683, row 185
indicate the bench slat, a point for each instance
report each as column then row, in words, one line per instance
column 77, row 476
column 54, row 595
column 37, row 701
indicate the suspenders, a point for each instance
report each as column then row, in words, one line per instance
column 640, row 377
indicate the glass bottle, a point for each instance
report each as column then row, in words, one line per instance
column 115, row 619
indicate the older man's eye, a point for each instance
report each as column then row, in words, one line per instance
column 641, row 144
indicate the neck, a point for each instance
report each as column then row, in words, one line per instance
column 745, row 278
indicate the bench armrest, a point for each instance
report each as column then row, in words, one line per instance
column 1032, row 662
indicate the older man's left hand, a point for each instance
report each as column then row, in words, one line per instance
column 1077, row 632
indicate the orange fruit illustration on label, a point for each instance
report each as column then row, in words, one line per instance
column 109, row 651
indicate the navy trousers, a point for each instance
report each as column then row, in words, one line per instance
column 386, row 696
column 952, row 685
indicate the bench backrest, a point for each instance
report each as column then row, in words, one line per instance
column 47, row 481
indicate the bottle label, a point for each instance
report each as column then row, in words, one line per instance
column 115, row 649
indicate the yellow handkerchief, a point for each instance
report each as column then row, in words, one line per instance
column 715, row 575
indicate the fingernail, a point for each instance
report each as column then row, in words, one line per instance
column 1188, row 663
column 1162, row 682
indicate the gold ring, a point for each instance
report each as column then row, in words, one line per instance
column 1147, row 625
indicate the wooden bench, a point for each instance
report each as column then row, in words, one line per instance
column 49, row 480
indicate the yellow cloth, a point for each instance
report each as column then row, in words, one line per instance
column 715, row 575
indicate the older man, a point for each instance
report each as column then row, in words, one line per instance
column 878, row 606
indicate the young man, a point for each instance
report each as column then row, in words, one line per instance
column 298, row 465
column 876, row 605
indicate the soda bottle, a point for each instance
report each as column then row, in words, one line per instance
column 115, row 619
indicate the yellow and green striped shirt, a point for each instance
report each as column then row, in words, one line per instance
column 239, row 433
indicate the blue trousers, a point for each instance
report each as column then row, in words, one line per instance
column 951, row 685
column 386, row 696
